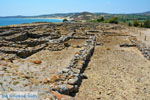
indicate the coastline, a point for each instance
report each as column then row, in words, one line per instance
column 28, row 24
column 31, row 23
column 45, row 18
column 61, row 18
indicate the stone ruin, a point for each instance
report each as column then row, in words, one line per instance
column 22, row 42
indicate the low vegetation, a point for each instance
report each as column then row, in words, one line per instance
column 147, row 24
column 130, row 20
column 65, row 20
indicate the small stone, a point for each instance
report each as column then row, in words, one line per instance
column 70, row 87
column 63, row 88
column 83, row 76
column 37, row 62
column 66, row 70
column 76, row 70
column 73, row 81
column 71, row 73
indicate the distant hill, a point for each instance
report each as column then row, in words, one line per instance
column 57, row 15
column 76, row 16
column 143, row 13
column 43, row 16
column 18, row 16
column 146, row 13
column 84, row 16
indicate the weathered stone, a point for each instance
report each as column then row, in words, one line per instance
column 84, row 76
column 73, row 81
column 127, row 45
column 75, row 70
column 66, row 70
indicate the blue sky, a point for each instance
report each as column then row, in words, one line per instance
column 37, row 7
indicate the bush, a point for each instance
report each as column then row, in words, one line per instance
column 136, row 23
column 101, row 19
column 113, row 20
column 147, row 24
column 65, row 20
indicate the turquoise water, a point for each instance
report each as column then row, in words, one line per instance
column 12, row 21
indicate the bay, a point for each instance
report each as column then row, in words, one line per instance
column 13, row 21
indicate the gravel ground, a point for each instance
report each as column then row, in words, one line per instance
column 116, row 73
column 30, row 73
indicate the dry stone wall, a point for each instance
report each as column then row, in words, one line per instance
column 69, row 79
column 142, row 47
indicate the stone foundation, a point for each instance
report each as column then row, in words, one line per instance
column 69, row 79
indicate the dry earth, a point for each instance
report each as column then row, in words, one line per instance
column 116, row 73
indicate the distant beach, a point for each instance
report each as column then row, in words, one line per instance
column 49, row 18
column 14, row 21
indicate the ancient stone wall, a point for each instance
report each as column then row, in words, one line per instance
column 69, row 79
column 142, row 47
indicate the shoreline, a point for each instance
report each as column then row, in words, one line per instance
column 61, row 18
column 38, row 22
column 46, row 18
column 28, row 24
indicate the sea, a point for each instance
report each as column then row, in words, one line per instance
column 13, row 21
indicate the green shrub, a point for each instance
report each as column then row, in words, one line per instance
column 113, row 20
column 146, row 24
column 65, row 20
column 136, row 23
column 101, row 19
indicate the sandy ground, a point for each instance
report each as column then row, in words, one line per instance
column 116, row 73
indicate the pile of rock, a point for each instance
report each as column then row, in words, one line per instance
column 69, row 79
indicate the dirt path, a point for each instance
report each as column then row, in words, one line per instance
column 116, row 73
